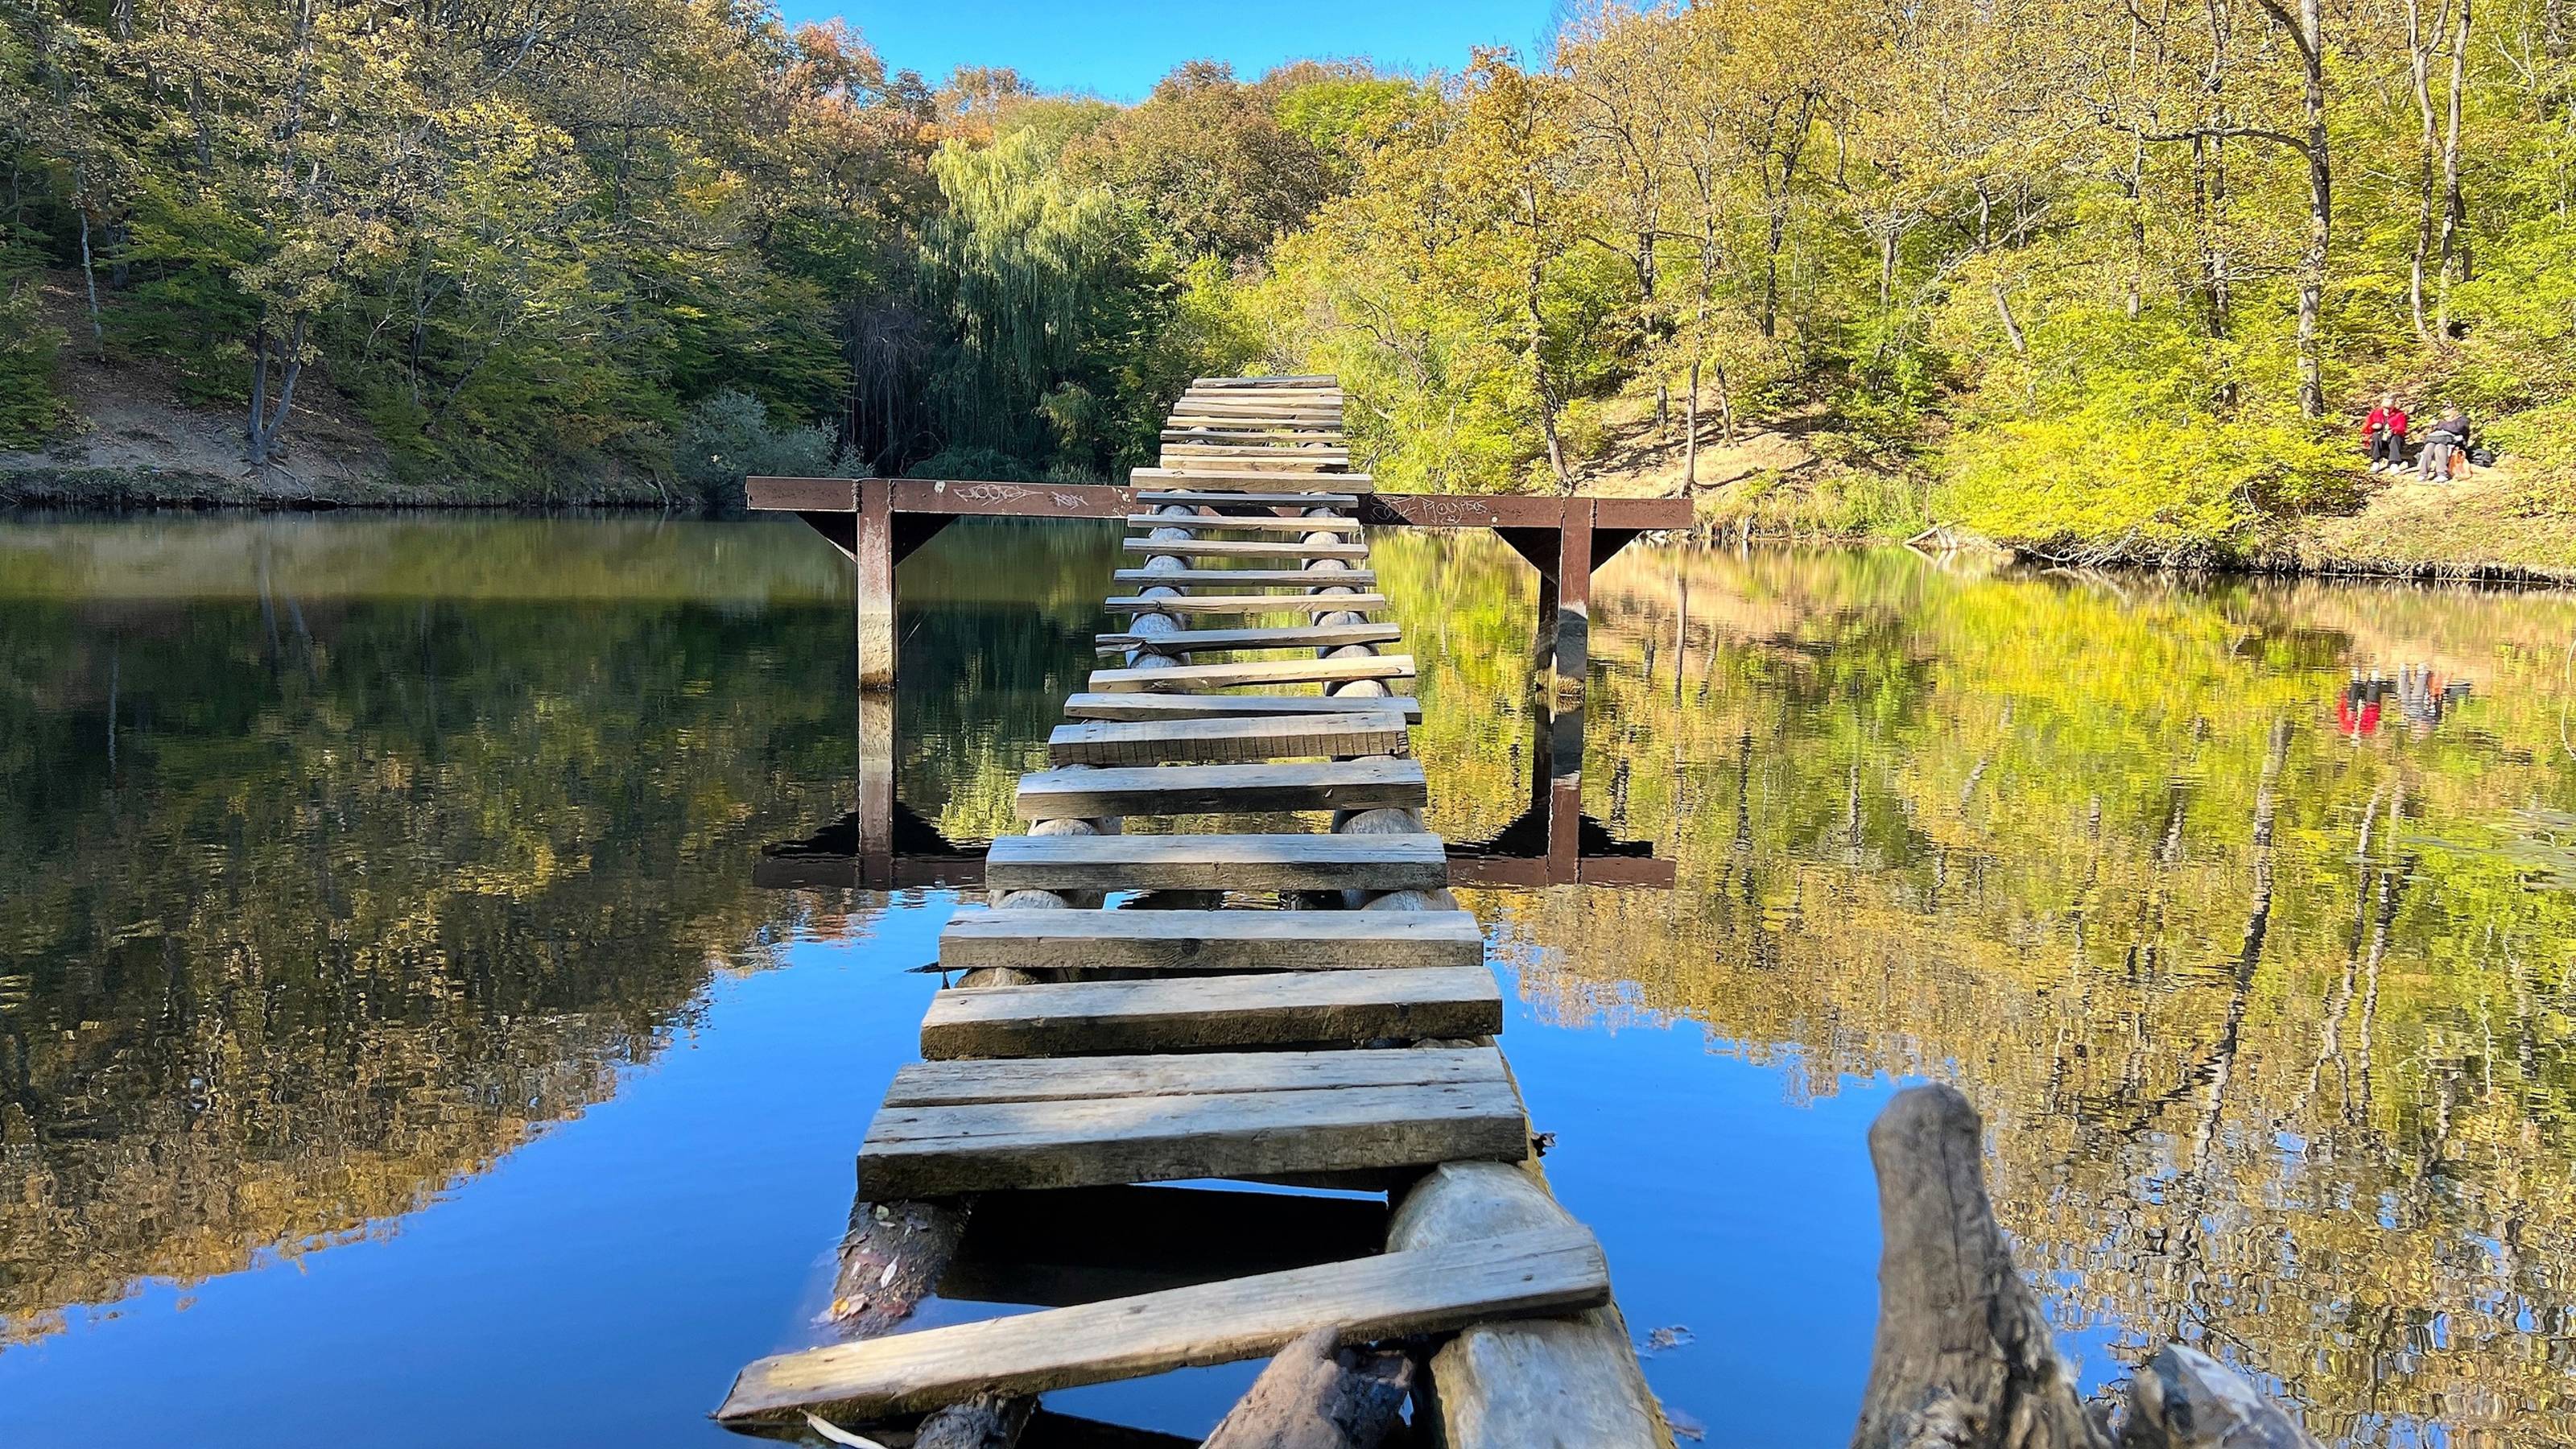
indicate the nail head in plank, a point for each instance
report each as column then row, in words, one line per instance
column 1216, row 862
column 1391, row 1295
column 1211, row 940
column 1086, row 792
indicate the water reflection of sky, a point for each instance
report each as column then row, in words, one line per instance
column 426, row 857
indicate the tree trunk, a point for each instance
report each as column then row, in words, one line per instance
column 2455, row 241
column 1964, row 1358
column 89, row 273
column 2313, row 257
column 2419, row 57
column 1311, row 1397
column 2012, row 328
column 1690, row 430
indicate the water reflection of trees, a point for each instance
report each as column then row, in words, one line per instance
column 375, row 880
column 2274, row 1038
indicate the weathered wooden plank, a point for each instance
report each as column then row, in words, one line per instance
column 1272, row 379
column 1305, row 636
column 1245, row 523
column 1245, row 548
column 1189, row 1013
column 1210, row 467
column 1187, row 677
column 1219, row 940
column 1187, row 1074
column 1206, row 498
column 1216, row 862
column 1247, row 604
column 1247, row 578
column 1217, row 478
column 1203, row 433
column 1217, row 741
column 1084, row 792
column 1392, row 1295
column 1143, row 706
column 1009, row 1146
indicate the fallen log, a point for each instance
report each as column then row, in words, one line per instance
column 1541, row 1381
column 1312, row 1397
column 891, row 1259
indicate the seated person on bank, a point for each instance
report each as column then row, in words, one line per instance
column 2385, row 431
column 2444, row 445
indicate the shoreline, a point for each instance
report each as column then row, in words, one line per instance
column 113, row 492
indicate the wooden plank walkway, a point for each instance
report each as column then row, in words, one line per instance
column 1086, row 1049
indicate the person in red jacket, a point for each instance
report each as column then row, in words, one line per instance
column 2386, row 433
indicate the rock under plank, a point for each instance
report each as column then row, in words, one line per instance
column 925, row 1152
column 1213, row 477
column 1192, row 1013
column 1189, row 1074
column 1143, row 706
column 1218, row 741
column 1248, row 578
column 1182, row 679
column 1216, row 862
column 1391, row 1295
column 1370, row 783
column 1312, row 636
column 1245, row 548
column 1244, row 523
column 1039, row 940
column 1247, row 604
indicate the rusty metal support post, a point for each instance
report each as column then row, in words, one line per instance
column 873, row 547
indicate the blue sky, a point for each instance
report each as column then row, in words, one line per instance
column 1119, row 48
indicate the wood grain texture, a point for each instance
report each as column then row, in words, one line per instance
column 1567, row 1381
column 1245, row 523
column 1183, row 1013
column 1201, row 498
column 1190, row 677
column 1308, row 636
column 1243, row 578
column 1077, row 791
column 1216, row 862
column 1389, row 1296
column 1089, row 1142
column 1210, row 940
column 1247, row 604
column 1245, row 548
column 1211, row 741
column 1142, row 706
column 1312, row 1397
column 1195, row 1074
column 1213, row 476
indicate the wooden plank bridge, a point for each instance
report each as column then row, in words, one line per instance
column 1264, row 1005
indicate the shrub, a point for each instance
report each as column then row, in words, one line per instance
column 727, row 437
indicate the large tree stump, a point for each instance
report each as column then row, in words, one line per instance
column 1314, row 1398
column 1964, row 1359
column 2184, row 1399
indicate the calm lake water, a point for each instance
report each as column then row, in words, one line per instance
column 396, row 1047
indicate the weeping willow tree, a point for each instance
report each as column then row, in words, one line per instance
column 1036, row 281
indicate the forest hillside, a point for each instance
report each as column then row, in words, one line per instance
column 2109, row 280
